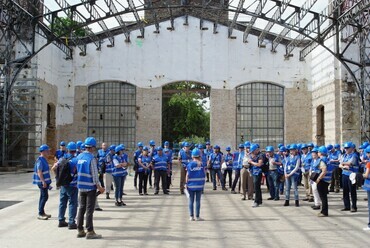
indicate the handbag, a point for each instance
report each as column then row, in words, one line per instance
column 223, row 166
column 314, row 176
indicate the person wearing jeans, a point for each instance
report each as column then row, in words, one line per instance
column 315, row 168
column 41, row 178
column 144, row 161
column 215, row 161
column 255, row 164
column 292, row 164
column 366, row 186
column 119, row 173
column 195, row 180
column 323, row 180
column 237, row 166
column 273, row 175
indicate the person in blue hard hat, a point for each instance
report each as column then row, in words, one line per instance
column 61, row 151
column 315, row 168
column 246, row 177
column 306, row 161
column 323, row 180
column 208, row 151
column 273, row 175
column 68, row 187
column 137, row 153
column 292, row 165
column 41, row 178
column 144, row 161
column 160, row 165
column 152, row 153
column 184, row 158
column 195, row 180
column 120, row 161
column 255, row 164
column 334, row 157
column 109, row 166
column 366, row 186
column 349, row 165
column 228, row 158
column 237, row 166
column 87, row 184
column 215, row 161
column 102, row 155
column 363, row 157
column 78, row 144
column 168, row 152
column 283, row 154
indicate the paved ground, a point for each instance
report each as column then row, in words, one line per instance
column 162, row 221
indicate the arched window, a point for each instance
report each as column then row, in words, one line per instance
column 112, row 113
column 260, row 114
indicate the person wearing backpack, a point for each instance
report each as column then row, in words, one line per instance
column 66, row 171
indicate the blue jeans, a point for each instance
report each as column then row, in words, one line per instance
column 291, row 182
column 44, row 196
column 68, row 194
column 219, row 174
column 257, row 188
column 194, row 195
column 273, row 178
column 118, row 183
column 349, row 188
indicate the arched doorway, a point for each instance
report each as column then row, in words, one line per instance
column 112, row 113
column 260, row 114
column 320, row 125
column 185, row 112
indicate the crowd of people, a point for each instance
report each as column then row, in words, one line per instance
column 82, row 174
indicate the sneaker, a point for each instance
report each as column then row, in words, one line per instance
column 81, row 234
column 232, row 192
column 72, row 226
column 306, row 199
column 191, row 218
column 122, row 203
column 199, row 219
column 98, row 209
column 42, row 217
column 141, row 194
column 107, row 196
column 337, row 191
column 62, row 224
column 48, row 215
column 321, row 215
column 345, row 209
column 146, row 194
column 124, row 194
column 315, row 207
column 255, row 204
column 366, row 228
column 156, row 193
column 224, row 189
column 214, row 188
column 353, row 210
column 93, row 235
column 117, row 203
column 270, row 198
column 277, row 199
column 243, row 198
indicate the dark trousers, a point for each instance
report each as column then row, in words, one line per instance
column 257, row 188
column 150, row 178
column 160, row 176
column 217, row 172
column 236, row 179
column 135, row 178
column 335, row 179
column 273, row 178
column 86, row 205
column 230, row 173
column 101, row 179
column 348, row 188
column 143, row 182
column 322, row 187
column 44, row 196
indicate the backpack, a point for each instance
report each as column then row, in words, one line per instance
column 265, row 165
column 64, row 177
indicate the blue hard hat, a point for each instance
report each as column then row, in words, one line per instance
column 140, row 144
column 228, row 148
column 253, row 147
column 216, row 147
column 90, row 142
column 166, row 143
column 299, row 146
column 208, row 143
column 72, row 146
column 78, row 144
column 365, row 144
column 62, row 143
column 310, row 144
column 43, row 147
column 280, row 145
column 200, row 146
column 269, row 149
column 159, row 148
column 241, row 146
column 336, row 146
column 293, row 147
column 82, row 146
column 186, row 144
column 145, row 148
column 329, row 147
column 304, row 146
column 347, row 145
column 367, row 150
column 323, row 150
column 195, row 152
column 247, row 144
column 315, row 149
column 282, row 148
column 112, row 148
column 152, row 143
column 118, row 148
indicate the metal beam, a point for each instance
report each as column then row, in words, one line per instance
column 236, row 14
column 136, row 15
column 258, row 11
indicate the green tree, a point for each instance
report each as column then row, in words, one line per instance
column 63, row 25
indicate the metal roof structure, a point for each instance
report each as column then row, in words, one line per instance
column 299, row 25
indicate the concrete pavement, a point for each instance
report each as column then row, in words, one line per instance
column 162, row 221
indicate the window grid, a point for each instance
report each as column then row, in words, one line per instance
column 112, row 113
column 260, row 114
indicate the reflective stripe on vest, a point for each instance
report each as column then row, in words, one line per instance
column 45, row 171
column 84, row 177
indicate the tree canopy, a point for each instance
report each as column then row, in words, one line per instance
column 65, row 26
